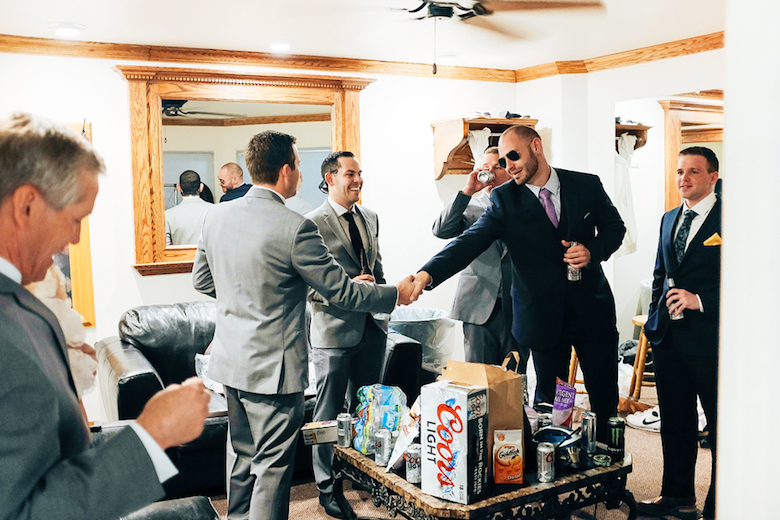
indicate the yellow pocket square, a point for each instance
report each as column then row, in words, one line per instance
column 714, row 240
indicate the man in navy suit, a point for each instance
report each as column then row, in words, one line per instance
column 685, row 351
column 537, row 216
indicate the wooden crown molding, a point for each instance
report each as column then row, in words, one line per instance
column 244, row 121
column 219, row 77
column 708, row 42
column 152, row 53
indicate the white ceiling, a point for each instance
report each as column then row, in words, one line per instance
column 370, row 29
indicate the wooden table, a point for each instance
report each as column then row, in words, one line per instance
column 533, row 500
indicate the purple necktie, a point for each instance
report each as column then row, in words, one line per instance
column 547, row 203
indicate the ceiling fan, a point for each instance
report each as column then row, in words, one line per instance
column 173, row 108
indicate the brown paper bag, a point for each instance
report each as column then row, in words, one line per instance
column 505, row 391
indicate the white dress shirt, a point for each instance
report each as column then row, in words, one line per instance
column 702, row 210
column 553, row 185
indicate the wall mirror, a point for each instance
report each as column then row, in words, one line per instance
column 149, row 86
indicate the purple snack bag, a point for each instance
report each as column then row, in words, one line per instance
column 564, row 403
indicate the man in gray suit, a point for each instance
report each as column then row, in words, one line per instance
column 48, row 184
column 482, row 300
column 349, row 346
column 183, row 221
column 258, row 257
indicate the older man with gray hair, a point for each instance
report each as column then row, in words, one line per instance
column 48, row 184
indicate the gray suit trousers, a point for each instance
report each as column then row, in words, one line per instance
column 263, row 436
column 340, row 372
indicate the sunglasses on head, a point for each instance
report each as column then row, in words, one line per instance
column 512, row 156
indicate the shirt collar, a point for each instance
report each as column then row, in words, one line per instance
column 10, row 270
column 553, row 184
column 272, row 191
column 704, row 205
column 338, row 208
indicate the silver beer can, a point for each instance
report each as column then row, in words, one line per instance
column 413, row 456
column 384, row 447
column 545, row 462
column 485, row 176
column 344, row 425
column 589, row 432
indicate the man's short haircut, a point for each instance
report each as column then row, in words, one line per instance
column 49, row 157
column 189, row 181
column 233, row 169
column 712, row 159
column 331, row 162
column 491, row 149
column 266, row 154
column 524, row 132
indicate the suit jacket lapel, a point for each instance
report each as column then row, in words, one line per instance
column 335, row 225
column 710, row 226
column 370, row 234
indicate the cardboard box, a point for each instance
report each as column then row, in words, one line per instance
column 454, row 430
column 320, row 432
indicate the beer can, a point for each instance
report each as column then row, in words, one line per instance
column 545, row 462
column 485, row 176
column 384, row 447
column 589, row 432
column 344, row 425
column 617, row 437
column 545, row 419
column 413, row 456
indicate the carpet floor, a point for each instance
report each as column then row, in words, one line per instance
column 644, row 483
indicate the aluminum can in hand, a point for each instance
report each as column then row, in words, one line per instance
column 485, row 176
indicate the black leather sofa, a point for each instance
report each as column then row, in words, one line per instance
column 156, row 347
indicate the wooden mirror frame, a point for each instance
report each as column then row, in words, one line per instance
column 149, row 85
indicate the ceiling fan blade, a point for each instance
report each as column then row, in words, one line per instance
column 484, row 23
column 532, row 5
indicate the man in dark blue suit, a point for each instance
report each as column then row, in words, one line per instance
column 537, row 216
column 685, row 351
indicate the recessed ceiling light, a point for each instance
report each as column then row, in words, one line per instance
column 66, row 29
column 280, row 47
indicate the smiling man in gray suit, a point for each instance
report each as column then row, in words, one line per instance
column 349, row 346
column 48, row 184
column 482, row 300
column 257, row 257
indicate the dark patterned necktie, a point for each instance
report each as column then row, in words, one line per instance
column 357, row 243
column 682, row 234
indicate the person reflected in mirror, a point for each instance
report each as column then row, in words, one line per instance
column 348, row 347
column 683, row 325
column 184, row 221
column 48, row 184
column 231, row 180
column 537, row 217
column 258, row 258
column 482, row 300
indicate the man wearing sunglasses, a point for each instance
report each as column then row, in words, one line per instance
column 538, row 216
column 482, row 300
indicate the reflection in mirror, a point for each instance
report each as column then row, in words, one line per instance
column 203, row 136
column 648, row 187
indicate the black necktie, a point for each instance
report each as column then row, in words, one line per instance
column 682, row 234
column 357, row 243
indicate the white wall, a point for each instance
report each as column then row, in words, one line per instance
column 575, row 115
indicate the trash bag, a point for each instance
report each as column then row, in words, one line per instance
column 432, row 328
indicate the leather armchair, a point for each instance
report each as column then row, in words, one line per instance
column 156, row 347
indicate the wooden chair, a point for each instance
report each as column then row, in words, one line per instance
column 632, row 403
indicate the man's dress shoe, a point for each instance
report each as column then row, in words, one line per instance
column 331, row 507
column 662, row 506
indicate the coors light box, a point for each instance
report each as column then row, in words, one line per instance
column 453, row 430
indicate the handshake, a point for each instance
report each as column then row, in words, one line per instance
column 410, row 288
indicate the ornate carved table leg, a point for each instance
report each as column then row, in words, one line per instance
column 338, row 490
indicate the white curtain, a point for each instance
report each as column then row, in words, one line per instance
column 624, row 201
